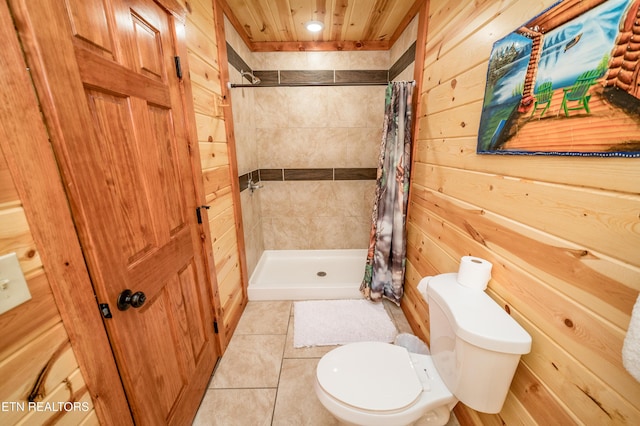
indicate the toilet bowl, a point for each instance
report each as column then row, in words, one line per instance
column 380, row 384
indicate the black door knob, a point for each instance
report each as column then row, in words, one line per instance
column 128, row 299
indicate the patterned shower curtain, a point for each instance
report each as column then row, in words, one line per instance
column 384, row 272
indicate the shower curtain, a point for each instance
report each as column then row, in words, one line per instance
column 384, row 271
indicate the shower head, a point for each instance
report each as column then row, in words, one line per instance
column 249, row 75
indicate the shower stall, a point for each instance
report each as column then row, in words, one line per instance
column 307, row 136
column 307, row 275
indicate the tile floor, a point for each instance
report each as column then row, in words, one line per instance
column 263, row 380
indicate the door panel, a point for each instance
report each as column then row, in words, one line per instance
column 147, row 44
column 112, row 120
column 168, row 172
column 193, row 332
column 89, row 23
column 115, row 111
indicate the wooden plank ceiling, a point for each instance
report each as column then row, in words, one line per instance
column 278, row 25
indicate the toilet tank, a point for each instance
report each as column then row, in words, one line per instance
column 475, row 344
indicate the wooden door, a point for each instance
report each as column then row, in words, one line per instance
column 106, row 76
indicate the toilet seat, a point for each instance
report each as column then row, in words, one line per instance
column 347, row 376
column 371, row 376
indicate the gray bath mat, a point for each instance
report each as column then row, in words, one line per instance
column 338, row 322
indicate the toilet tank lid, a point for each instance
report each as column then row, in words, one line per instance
column 478, row 319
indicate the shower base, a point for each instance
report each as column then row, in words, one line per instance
column 308, row 275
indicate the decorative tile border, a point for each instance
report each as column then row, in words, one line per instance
column 271, row 174
column 355, row 174
column 268, row 78
column 362, row 76
column 305, row 77
column 308, row 174
column 271, row 78
column 328, row 174
column 277, row 78
column 403, row 62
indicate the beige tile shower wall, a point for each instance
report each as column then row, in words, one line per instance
column 314, row 215
column 318, row 127
column 367, row 60
column 406, row 75
column 243, row 101
column 253, row 224
column 242, row 105
column 406, row 39
column 233, row 38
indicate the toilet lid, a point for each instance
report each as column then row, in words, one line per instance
column 371, row 376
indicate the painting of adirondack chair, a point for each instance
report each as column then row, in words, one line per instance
column 577, row 56
column 579, row 92
column 543, row 98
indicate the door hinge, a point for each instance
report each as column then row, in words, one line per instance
column 176, row 59
column 198, row 214
column 104, row 310
column 215, row 327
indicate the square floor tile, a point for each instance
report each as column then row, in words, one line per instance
column 227, row 407
column 250, row 361
column 296, row 402
column 268, row 317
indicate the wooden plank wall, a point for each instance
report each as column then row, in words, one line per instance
column 563, row 233
column 35, row 352
column 218, row 166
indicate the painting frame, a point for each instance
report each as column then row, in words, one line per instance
column 566, row 83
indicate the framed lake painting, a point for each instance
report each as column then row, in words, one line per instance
column 566, row 83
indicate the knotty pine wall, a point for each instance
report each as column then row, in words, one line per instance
column 562, row 233
column 34, row 342
column 218, row 166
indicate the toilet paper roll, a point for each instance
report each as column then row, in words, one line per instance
column 474, row 272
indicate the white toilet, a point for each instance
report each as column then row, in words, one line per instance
column 475, row 349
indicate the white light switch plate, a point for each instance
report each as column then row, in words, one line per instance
column 13, row 287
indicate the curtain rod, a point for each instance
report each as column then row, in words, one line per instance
column 232, row 86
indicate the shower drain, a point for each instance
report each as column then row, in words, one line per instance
column 321, row 274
